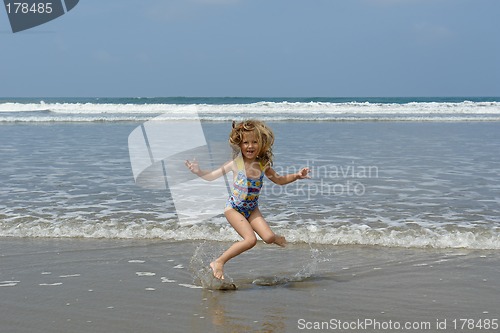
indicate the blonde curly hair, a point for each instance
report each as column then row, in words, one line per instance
column 265, row 138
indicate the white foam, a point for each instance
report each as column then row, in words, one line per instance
column 418, row 235
column 51, row 284
column 421, row 238
column 192, row 286
column 145, row 273
column 276, row 111
column 9, row 283
column 167, row 280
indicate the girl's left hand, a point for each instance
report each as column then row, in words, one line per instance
column 303, row 173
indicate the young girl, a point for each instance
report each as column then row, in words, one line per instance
column 252, row 142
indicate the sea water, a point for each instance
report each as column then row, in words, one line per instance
column 385, row 172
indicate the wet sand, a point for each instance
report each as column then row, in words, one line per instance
column 79, row 285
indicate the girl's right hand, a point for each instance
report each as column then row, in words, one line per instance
column 193, row 166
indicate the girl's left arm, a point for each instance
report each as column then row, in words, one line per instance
column 286, row 179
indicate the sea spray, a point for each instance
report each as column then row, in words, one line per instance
column 306, row 272
column 202, row 273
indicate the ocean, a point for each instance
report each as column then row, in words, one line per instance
column 386, row 172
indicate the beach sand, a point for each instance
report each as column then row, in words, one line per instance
column 80, row 285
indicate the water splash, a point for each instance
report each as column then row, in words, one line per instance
column 305, row 273
column 202, row 273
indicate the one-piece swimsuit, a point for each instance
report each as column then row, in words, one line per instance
column 245, row 194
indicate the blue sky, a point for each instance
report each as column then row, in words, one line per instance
column 285, row 48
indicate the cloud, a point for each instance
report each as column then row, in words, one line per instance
column 391, row 2
column 217, row 2
column 103, row 56
column 429, row 33
column 182, row 9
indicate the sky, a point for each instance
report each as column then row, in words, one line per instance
column 257, row 48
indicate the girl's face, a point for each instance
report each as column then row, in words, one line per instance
column 249, row 145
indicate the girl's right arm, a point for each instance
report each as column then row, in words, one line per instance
column 209, row 175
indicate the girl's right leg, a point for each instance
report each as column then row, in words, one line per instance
column 245, row 230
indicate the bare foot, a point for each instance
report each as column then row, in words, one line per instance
column 280, row 240
column 218, row 269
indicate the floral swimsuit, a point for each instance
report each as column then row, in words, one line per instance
column 245, row 194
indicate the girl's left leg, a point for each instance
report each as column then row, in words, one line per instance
column 259, row 224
